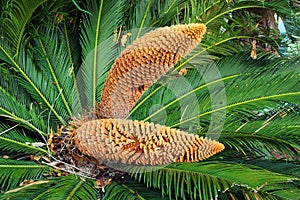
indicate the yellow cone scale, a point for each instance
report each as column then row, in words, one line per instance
column 143, row 63
column 141, row 143
column 111, row 139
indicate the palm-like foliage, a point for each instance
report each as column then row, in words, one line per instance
column 50, row 72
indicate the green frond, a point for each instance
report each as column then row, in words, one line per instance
column 281, row 7
column 19, row 17
column 244, row 80
column 8, row 83
column 41, row 88
column 74, row 56
column 286, row 190
column 235, row 20
column 284, row 121
column 97, row 47
column 244, row 193
column 65, row 187
column 55, row 61
column 15, row 141
column 141, row 16
column 219, row 45
column 14, row 110
column 233, row 85
column 28, row 191
column 149, row 14
column 5, row 51
column 260, row 145
column 14, row 172
column 165, row 11
column 205, row 180
column 131, row 189
column 69, row 187
column 257, row 89
column 288, row 168
column 119, row 192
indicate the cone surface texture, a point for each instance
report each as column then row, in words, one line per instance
column 141, row 143
column 109, row 138
column 143, row 63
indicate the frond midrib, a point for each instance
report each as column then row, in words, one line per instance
column 21, row 120
column 21, row 71
column 78, row 185
column 238, row 104
column 191, row 92
column 95, row 54
column 24, row 145
column 24, row 26
column 57, row 83
column 23, row 166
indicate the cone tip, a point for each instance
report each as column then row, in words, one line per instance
column 218, row 147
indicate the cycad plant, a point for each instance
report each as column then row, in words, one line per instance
column 91, row 98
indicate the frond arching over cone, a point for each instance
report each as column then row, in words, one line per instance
column 140, row 143
column 144, row 62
